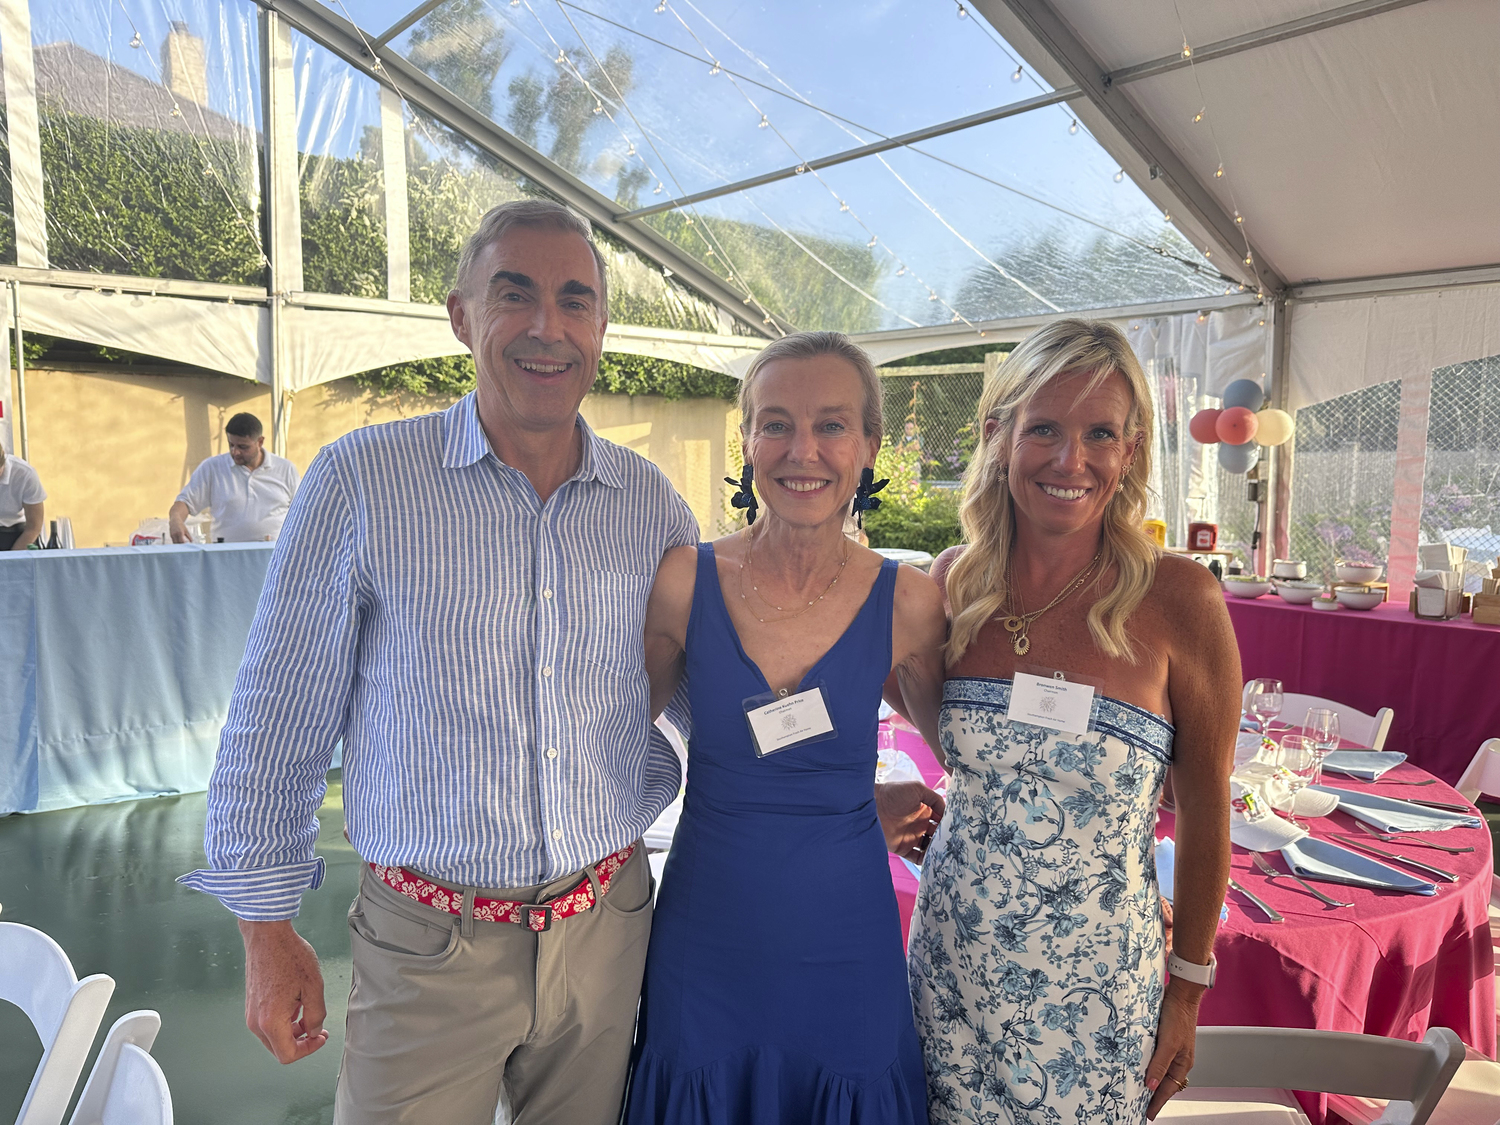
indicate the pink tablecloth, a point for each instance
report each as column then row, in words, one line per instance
column 1391, row 964
column 1436, row 676
column 910, row 742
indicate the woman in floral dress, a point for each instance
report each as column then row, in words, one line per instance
column 1037, row 961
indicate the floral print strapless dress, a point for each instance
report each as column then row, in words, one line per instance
column 1037, row 960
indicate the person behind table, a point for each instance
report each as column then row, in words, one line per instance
column 248, row 489
column 459, row 598
column 775, row 971
column 22, row 511
column 1037, row 955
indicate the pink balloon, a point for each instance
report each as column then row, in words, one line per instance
column 1237, row 425
column 1204, row 425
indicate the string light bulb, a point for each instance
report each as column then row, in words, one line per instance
column 1187, row 52
column 932, row 295
column 1166, row 216
column 176, row 112
column 963, row 13
column 1219, row 172
column 1202, row 317
column 800, row 169
column 715, row 69
column 657, row 189
column 1016, row 77
column 1073, row 127
column 1249, row 259
column 1119, row 175
column 901, row 272
column 598, row 107
column 872, row 241
column 843, row 206
column 135, row 40
column 660, row 8
column 1238, row 218
column 631, row 150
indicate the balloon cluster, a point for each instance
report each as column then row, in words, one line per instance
column 1241, row 427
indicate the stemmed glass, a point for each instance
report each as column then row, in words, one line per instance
column 1263, row 700
column 1298, row 765
column 1322, row 726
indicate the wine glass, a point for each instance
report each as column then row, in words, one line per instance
column 1263, row 700
column 1322, row 726
column 1297, row 765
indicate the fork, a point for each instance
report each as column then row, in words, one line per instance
column 1261, row 862
column 1401, row 838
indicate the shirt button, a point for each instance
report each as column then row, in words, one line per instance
column 552, row 751
column 557, row 833
column 546, row 593
column 547, row 671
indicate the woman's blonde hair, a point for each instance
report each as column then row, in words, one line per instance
column 810, row 345
column 977, row 584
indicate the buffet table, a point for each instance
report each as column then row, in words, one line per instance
column 116, row 667
column 1436, row 676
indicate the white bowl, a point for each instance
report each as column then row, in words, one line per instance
column 1358, row 572
column 1298, row 593
column 1288, row 568
column 1353, row 598
column 1247, row 587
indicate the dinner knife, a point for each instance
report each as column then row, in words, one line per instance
column 1270, row 912
column 1438, row 871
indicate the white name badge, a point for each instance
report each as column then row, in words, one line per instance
column 1054, row 703
column 788, row 720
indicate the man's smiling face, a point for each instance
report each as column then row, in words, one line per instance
column 532, row 313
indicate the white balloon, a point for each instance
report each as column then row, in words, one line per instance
column 1275, row 426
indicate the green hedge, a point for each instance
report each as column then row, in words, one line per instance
column 929, row 523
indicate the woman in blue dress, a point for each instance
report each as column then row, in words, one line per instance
column 1039, row 974
column 776, row 989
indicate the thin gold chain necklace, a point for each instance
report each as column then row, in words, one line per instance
column 1019, row 625
column 750, row 567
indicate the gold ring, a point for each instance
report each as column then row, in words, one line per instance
column 1182, row 1083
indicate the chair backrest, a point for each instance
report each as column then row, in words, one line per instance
column 1354, row 724
column 1482, row 778
column 1331, row 1062
column 37, row 977
column 138, row 1093
column 137, row 1028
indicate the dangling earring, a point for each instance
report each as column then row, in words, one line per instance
column 864, row 499
column 1004, row 474
column 745, row 497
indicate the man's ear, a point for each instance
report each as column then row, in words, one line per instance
column 458, row 318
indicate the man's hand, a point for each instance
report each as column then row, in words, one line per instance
column 177, row 523
column 909, row 813
column 283, row 990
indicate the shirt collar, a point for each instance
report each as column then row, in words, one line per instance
column 464, row 444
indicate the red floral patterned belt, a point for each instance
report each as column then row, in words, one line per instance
column 537, row 918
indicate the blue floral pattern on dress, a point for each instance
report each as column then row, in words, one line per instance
column 1036, row 958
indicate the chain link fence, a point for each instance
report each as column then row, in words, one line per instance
column 1461, row 487
column 930, row 411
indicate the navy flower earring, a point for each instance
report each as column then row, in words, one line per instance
column 864, row 496
column 745, row 497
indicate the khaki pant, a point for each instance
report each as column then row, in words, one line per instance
column 445, row 1010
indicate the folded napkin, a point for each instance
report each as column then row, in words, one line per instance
column 1367, row 765
column 1166, row 857
column 1329, row 863
column 1390, row 815
column 1256, row 790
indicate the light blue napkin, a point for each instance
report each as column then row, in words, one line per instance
column 1367, row 765
column 1395, row 816
column 1166, row 871
column 1329, row 863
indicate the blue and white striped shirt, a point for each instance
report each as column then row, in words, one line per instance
column 478, row 652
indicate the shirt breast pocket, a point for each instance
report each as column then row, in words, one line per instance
column 613, row 623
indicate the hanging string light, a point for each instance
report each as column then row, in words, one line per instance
column 1073, row 127
column 135, row 40
column 963, row 13
column 1119, row 175
column 1016, row 77
column 1197, row 117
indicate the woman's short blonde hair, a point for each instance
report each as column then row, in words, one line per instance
column 977, row 585
column 810, row 345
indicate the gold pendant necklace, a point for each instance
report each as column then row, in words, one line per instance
column 1019, row 625
column 750, row 567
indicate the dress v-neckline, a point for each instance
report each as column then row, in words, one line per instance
column 739, row 645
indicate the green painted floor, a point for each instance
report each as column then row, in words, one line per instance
column 99, row 880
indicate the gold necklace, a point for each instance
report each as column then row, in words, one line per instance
column 1019, row 625
column 750, row 566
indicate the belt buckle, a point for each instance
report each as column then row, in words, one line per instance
column 537, row 919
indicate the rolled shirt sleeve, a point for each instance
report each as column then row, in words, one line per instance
column 287, row 712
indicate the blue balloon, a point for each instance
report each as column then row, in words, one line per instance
column 1238, row 458
column 1244, row 392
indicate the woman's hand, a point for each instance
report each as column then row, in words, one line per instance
column 1167, row 1073
column 909, row 813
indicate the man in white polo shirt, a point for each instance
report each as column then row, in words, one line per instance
column 248, row 490
column 21, row 508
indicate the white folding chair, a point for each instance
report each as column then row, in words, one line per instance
column 1354, row 725
column 1244, row 1075
column 37, row 977
column 1472, row 1098
column 1482, row 778
column 133, row 1028
column 138, row 1093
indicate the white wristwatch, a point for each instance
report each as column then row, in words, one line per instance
column 1198, row 974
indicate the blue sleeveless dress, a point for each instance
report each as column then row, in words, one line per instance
column 776, row 989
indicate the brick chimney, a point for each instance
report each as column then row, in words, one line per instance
column 184, row 64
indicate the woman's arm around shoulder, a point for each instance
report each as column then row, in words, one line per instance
column 667, row 613
column 919, row 630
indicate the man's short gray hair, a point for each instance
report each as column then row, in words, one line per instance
column 810, row 345
column 530, row 213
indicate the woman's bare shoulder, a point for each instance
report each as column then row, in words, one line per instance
column 1185, row 596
